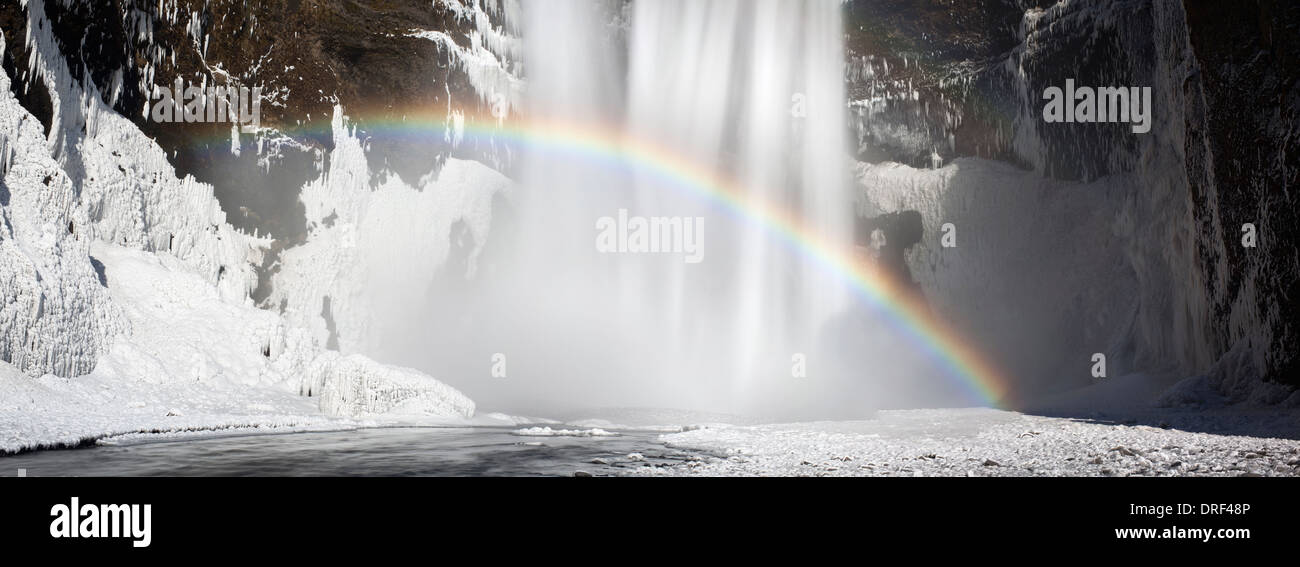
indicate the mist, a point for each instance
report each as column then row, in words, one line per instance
column 749, row 92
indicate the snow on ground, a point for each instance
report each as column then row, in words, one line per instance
column 51, row 412
column 1117, row 427
column 972, row 442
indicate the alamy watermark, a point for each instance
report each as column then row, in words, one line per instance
column 498, row 365
column 629, row 234
column 1101, row 104
column 75, row 520
column 238, row 105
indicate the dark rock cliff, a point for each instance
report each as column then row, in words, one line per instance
column 932, row 81
column 306, row 55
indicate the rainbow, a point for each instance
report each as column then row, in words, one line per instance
column 954, row 353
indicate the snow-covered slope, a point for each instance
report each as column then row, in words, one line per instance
column 126, row 292
column 193, row 361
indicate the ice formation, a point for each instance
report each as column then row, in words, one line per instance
column 117, row 274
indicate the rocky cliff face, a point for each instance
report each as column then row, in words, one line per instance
column 933, row 82
column 306, row 56
column 1244, row 157
column 921, row 78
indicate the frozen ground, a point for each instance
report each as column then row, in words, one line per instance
column 974, row 442
column 1126, row 426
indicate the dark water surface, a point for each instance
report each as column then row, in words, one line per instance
column 478, row 451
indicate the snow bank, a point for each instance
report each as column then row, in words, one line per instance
column 194, row 361
column 1230, row 381
column 113, row 401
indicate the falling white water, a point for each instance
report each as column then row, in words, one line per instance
column 754, row 92
column 751, row 92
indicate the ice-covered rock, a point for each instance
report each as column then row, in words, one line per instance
column 54, row 314
column 356, row 386
column 126, row 293
column 378, row 247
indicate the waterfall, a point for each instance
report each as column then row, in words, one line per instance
column 753, row 91
column 751, row 94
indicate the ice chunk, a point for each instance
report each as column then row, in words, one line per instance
column 356, row 386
